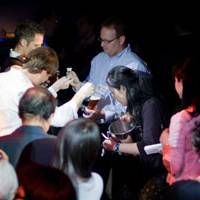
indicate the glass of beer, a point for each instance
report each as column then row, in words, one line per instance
column 100, row 92
column 94, row 99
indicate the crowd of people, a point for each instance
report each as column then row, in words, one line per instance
column 83, row 160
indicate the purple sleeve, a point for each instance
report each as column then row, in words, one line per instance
column 152, row 116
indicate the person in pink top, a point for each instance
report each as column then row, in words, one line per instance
column 179, row 155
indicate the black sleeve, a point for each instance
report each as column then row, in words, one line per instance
column 152, row 115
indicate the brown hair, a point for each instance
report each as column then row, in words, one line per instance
column 27, row 31
column 117, row 24
column 42, row 59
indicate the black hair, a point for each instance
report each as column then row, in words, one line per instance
column 117, row 24
column 188, row 71
column 27, row 31
column 78, row 145
column 136, row 95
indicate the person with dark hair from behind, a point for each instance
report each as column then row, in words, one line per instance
column 36, row 109
column 44, row 183
column 41, row 64
column 77, row 148
column 179, row 156
column 187, row 189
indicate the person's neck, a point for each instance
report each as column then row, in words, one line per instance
column 119, row 51
column 19, row 50
column 34, row 122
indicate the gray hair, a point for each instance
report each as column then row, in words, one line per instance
column 8, row 181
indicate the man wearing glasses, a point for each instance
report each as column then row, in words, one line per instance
column 116, row 51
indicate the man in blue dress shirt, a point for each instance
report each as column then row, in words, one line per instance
column 116, row 51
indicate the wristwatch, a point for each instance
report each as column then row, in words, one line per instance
column 116, row 148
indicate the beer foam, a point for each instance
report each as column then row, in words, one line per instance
column 95, row 97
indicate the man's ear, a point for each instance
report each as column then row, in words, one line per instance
column 122, row 39
column 23, row 42
column 50, row 118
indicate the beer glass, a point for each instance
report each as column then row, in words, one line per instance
column 99, row 93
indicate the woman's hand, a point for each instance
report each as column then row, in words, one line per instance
column 93, row 114
column 127, row 117
column 164, row 137
column 109, row 144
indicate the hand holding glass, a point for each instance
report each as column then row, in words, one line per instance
column 99, row 93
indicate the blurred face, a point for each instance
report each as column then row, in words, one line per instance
column 119, row 95
column 179, row 87
column 40, row 77
column 35, row 43
column 110, row 43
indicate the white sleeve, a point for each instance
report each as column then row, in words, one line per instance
column 53, row 92
column 64, row 114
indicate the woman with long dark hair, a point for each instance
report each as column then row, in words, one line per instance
column 77, row 148
column 132, row 89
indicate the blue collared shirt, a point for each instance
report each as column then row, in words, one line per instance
column 102, row 64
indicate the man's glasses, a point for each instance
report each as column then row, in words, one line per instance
column 107, row 41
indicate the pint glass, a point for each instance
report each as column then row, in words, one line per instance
column 100, row 92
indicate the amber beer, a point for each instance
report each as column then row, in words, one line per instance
column 93, row 102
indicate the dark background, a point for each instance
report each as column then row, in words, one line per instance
column 160, row 32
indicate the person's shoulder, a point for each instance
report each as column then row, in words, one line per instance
column 16, row 133
column 152, row 101
column 152, row 105
column 98, row 182
column 45, row 139
column 180, row 119
column 99, row 56
column 97, row 176
column 132, row 54
column 136, row 62
column 183, row 114
column 4, row 74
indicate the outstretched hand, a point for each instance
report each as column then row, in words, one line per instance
column 94, row 115
column 75, row 80
column 62, row 83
